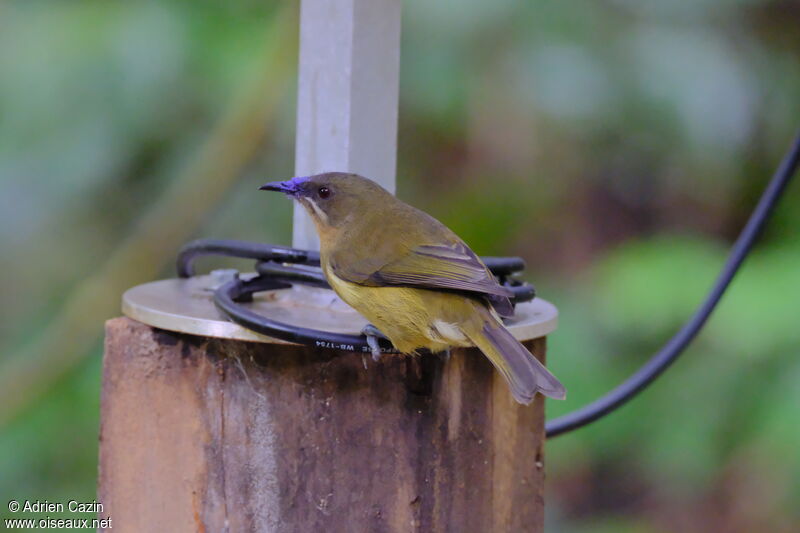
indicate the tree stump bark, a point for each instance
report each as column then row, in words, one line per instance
column 202, row 434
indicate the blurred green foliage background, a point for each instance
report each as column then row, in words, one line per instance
column 618, row 146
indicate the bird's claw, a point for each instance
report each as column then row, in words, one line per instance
column 375, row 347
column 445, row 355
column 373, row 334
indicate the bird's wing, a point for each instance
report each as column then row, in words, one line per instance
column 453, row 266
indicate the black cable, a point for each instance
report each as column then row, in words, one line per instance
column 226, row 296
column 501, row 267
column 677, row 344
column 243, row 249
column 275, row 275
column 279, row 267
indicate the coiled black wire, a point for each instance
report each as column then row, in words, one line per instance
column 274, row 275
column 659, row 362
column 279, row 267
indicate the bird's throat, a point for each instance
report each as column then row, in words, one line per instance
column 319, row 217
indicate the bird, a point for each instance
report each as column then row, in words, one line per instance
column 416, row 282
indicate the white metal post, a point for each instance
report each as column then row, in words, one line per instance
column 347, row 94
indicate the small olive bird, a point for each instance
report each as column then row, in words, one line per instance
column 415, row 280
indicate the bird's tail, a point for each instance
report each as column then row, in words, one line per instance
column 524, row 373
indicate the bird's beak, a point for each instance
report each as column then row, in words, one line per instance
column 280, row 186
column 291, row 187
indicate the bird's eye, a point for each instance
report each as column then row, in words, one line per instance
column 324, row 192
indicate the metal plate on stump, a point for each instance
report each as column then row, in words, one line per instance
column 187, row 306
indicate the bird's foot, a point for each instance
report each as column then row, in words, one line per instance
column 445, row 355
column 373, row 334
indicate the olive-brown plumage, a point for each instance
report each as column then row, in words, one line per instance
column 412, row 277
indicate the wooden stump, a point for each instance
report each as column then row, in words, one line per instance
column 200, row 434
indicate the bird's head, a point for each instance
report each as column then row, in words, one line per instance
column 334, row 198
